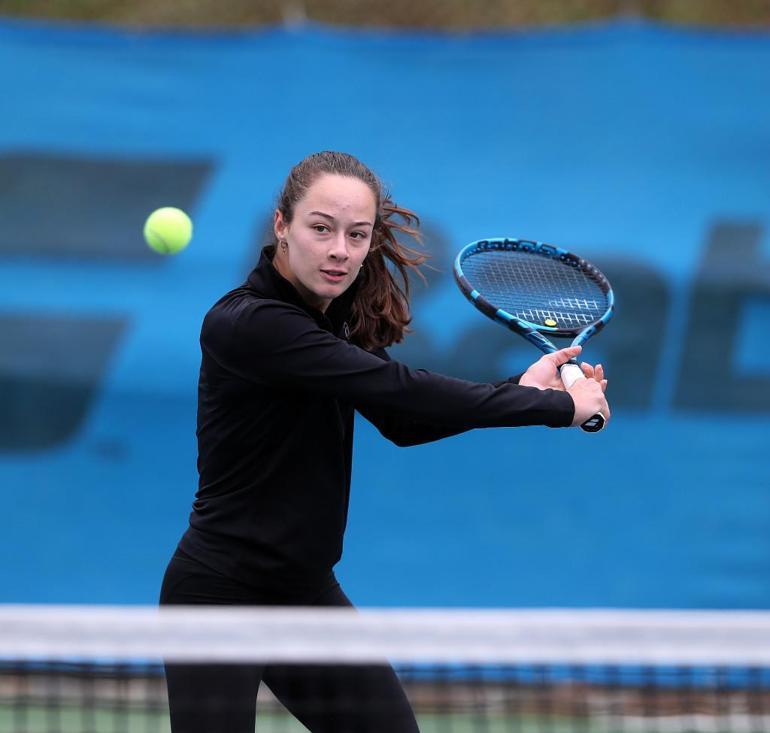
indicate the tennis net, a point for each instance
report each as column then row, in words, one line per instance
column 78, row 669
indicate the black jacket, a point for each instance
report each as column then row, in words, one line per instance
column 279, row 383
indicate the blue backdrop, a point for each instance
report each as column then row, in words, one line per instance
column 642, row 147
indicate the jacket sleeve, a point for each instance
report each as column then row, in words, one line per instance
column 278, row 343
column 408, row 431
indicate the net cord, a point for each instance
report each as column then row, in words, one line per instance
column 421, row 636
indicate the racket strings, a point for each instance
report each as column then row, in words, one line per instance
column 543, row 291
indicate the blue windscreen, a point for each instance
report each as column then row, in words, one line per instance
column 645, row 149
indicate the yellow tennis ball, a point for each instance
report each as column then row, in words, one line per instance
column 168, row 230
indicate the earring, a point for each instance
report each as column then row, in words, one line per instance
column 284, row 245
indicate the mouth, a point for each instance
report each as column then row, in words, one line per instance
column 334, row 275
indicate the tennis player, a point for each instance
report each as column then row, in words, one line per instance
column 287, row 359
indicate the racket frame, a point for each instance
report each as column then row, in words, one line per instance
column 535, row 333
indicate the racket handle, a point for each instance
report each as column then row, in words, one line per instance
column 570, row 373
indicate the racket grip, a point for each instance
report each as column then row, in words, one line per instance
column 570, row 373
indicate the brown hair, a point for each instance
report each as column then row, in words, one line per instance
column 380, row 311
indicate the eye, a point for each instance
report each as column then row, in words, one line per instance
column 320, row 228
column 358, row 235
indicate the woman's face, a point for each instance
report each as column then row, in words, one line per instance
column 328, row 238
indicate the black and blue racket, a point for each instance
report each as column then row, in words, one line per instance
column 538, row 290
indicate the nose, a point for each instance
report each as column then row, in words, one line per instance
column 338, row 249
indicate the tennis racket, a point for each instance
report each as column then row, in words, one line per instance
column 540, row 292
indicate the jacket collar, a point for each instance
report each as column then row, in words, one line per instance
column 267, row 282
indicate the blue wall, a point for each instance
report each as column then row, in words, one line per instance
column 642, row 147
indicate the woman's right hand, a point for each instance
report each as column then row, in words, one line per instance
column 588, row 396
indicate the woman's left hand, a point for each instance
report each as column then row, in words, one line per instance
column 544, row 373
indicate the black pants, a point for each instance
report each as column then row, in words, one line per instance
column 221, row 698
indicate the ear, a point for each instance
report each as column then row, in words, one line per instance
column 279, row 225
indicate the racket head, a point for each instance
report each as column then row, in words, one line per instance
column 534, row 287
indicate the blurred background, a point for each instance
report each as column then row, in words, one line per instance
column 635, row 133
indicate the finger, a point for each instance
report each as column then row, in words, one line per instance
column 605, row 408
column 562, row 356
column 588, row 370
column 599, row 372
column 604, row 385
